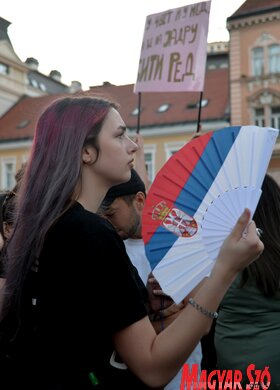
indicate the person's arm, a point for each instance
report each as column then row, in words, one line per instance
column 155, row 359
column 160, row 324
column 163, row 310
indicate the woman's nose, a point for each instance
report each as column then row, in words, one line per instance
column 133, row 145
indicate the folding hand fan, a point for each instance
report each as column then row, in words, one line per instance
column 196, row 199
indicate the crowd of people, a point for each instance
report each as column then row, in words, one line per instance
column 79, row 304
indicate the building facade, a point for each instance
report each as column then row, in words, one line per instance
column 241, row 88
column 255, row 67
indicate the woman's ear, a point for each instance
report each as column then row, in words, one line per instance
column 89, row 155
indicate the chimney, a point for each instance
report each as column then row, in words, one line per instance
column 32, row 63
column 75, row 86
column 55, row 75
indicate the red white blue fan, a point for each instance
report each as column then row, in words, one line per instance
column 196, row 199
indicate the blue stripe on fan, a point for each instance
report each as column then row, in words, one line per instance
column 195, row 189
column 203, row 176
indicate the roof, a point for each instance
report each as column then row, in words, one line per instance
column 255, row 7
column 216, row 91
column 46, row 83
column 4, row 24
column 20, row 121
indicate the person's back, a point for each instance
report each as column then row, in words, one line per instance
column 248, row 330
column 248, row 327
column 46, row 340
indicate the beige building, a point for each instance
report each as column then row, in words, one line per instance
column 18, row 80
column 13, row 73
column 255, row 67
column 241, row 88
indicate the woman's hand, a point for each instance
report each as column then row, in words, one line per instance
column 162, row 309
column 158, row 300
column 241, row 248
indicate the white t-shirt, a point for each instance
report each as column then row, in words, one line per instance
column 136, row 251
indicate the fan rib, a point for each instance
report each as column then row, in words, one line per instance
column 215, row 144
column 202, row 160
column 180, row 258
column 193, row 175
column 237, row 160
column 183, row 274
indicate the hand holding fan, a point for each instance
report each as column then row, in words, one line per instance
column 196, row 199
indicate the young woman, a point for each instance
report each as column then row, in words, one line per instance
column 64, row 261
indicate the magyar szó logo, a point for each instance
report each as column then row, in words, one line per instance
column 225, row 379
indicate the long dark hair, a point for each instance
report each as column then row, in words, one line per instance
column 266, row 269
column 51, row 180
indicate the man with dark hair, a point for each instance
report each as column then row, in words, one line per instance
column 123, row 207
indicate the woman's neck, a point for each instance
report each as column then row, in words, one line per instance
column 91, row 203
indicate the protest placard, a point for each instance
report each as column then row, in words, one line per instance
column 174, row 50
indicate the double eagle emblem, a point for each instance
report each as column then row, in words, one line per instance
column 175, row 220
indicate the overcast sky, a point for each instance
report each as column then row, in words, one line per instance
column 92, row 41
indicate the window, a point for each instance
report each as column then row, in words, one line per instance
column 43, row 87
column 266, row 60
column 34, row 83
column 135, row 112
column 204, row 103
column 23, row 124
column 275, row 117
column 149, row 152
column 163, row 107
column 259, row 117
column 171, row 148
column 4, row 69
column 257, row 61
column 149, row 165
column 8, row 174
column 274, row 58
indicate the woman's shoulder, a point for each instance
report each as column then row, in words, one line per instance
column 78, row 215
column 77, row 221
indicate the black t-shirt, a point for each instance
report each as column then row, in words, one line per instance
column 86, row 289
